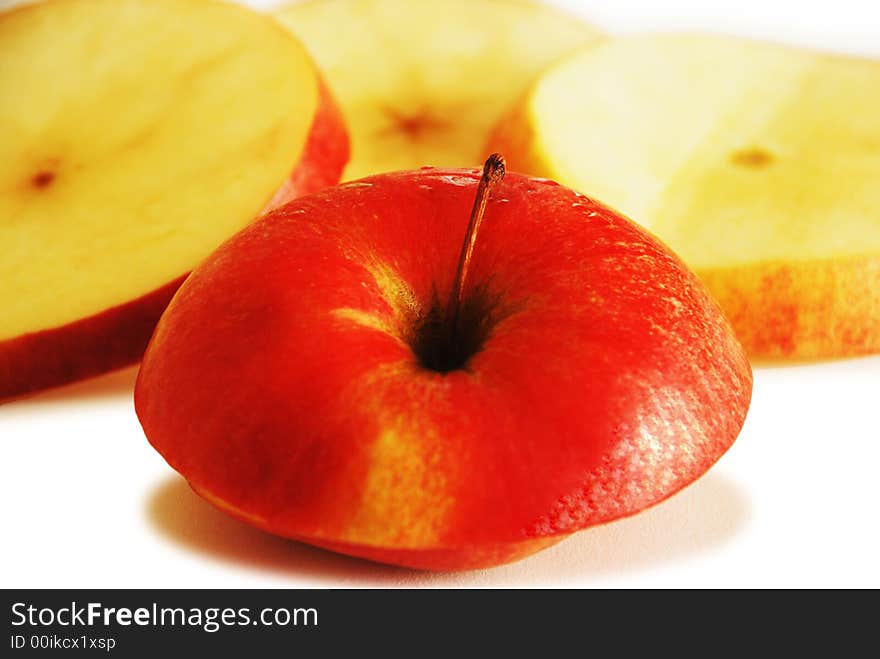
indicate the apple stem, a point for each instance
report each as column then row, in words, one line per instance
column 493, row 172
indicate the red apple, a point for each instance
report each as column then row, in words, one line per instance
column 313, row 378
column 166, row 138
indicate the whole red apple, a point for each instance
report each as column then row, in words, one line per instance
column 315, row 378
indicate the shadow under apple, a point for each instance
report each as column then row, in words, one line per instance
column 701, row 517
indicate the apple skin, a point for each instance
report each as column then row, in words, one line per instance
column 281, row 384
column 117, row 337
column 809, row 310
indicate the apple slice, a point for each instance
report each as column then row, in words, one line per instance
column 330, row 375
column 422, row 82
column 758, row 164
column 136, row 135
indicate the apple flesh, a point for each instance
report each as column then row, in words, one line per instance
column 422, row 82
column 305, row 379
column 167, row 127
column 756, row 163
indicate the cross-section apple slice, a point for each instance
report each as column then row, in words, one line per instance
column 422, row 82
column 135, row 136
column 758, row 164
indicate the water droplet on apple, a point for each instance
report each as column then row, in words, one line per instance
column 356, row 184
column 457, row 179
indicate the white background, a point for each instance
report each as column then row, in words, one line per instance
column 86, row 502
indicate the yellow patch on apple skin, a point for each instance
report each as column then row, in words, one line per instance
column 405, row 502
column 365, row 319
column 398, row 296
